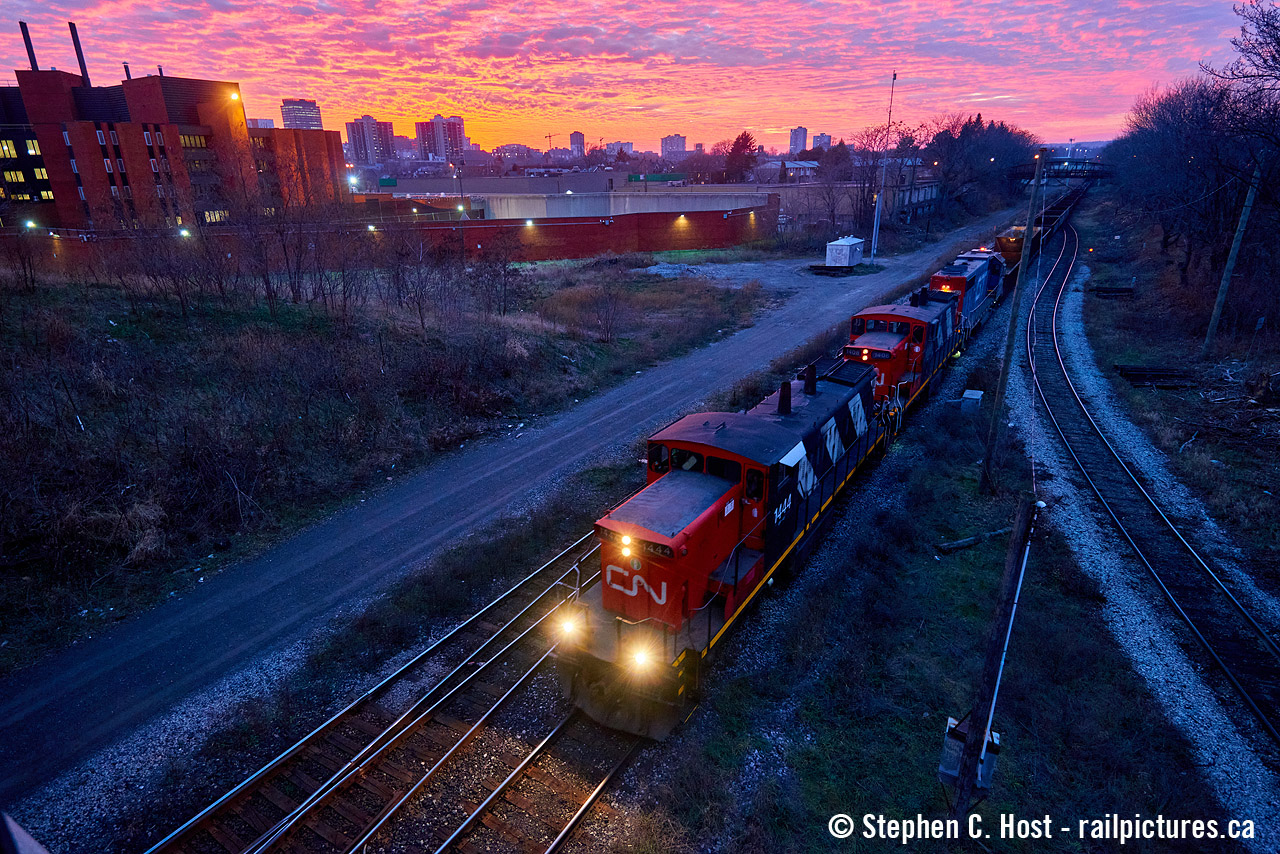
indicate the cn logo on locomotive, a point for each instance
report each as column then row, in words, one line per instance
column 637, row 581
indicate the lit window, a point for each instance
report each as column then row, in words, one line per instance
column 33, row 147
column 15, row 177
column 102, row 140
column 46, row 195
column 41, row 174
column 7, row 148
column 107, row 163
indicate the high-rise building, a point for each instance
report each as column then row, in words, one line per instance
column 260, row 123
column 799, row 139
column 151, row 152
column 370, row 141
column 578, row 143
column 699, row 148
column 822, row 140
column 673, row 146
column 442, row 139
column 301, row 114
column 612, row 148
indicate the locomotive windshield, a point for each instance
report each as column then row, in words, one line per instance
column 686, row 460
column 860, row 325
column 659, row 461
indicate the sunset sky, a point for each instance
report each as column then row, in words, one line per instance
column 618, row 71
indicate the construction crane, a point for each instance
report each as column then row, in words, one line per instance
column 548, row 138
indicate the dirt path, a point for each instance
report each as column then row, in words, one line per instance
column 57, row 713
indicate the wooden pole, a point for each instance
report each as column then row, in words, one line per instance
column 997, row 409
column 1231, row 261
column 993, row 665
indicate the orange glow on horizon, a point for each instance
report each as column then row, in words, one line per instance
column 706, row 70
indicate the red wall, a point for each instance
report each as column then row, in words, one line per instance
column 546, row 239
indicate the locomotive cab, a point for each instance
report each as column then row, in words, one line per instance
column 976, row 279
column 904, row 343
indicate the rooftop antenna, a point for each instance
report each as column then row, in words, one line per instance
column 31, row 51
column 75, row 40
column 884, row 166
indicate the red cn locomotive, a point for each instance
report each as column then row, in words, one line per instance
column 731, row 498
column 734, row 497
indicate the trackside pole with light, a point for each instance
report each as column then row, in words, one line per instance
column 884, row 166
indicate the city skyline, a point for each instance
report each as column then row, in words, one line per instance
column 1059, row 69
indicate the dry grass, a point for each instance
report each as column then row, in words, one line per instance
column 141, row 438
column 1216, row 440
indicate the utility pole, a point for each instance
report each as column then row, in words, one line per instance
column 1229, row 270
column 884, row 165
column 997, row 409
column 975, row 746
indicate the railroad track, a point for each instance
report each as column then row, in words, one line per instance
column 1242, row 651
column 538, row 805
column 335, row 788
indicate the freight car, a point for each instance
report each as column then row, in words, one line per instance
column 733, row 498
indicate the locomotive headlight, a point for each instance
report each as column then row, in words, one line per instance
column 568, row 628
column 626, row 541
column 626, row 552
column 641, row 659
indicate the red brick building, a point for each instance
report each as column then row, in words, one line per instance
column 152, row 152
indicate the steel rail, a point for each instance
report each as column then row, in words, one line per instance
column 563, row 836
column 357, row 766
column 502, row 787
column 1173, row 601
column 175, row 835
column 470, row 734
column 1261, row 633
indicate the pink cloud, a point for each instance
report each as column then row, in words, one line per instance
column 1059, row 68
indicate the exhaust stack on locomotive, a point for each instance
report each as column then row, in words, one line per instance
column 732, row 498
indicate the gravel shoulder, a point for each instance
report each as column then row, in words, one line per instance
column 1225, row 746
column 235, row 635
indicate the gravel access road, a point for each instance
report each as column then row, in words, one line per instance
column 57, row 713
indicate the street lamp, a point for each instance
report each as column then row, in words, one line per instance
column 31, row 223
column 184, row 233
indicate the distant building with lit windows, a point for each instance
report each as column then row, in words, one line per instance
column 673, row 146
column 822, row 140
column 578, row 143
column 442, row 139
column 301, row 114
column 370, row 141
column 150, row 152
